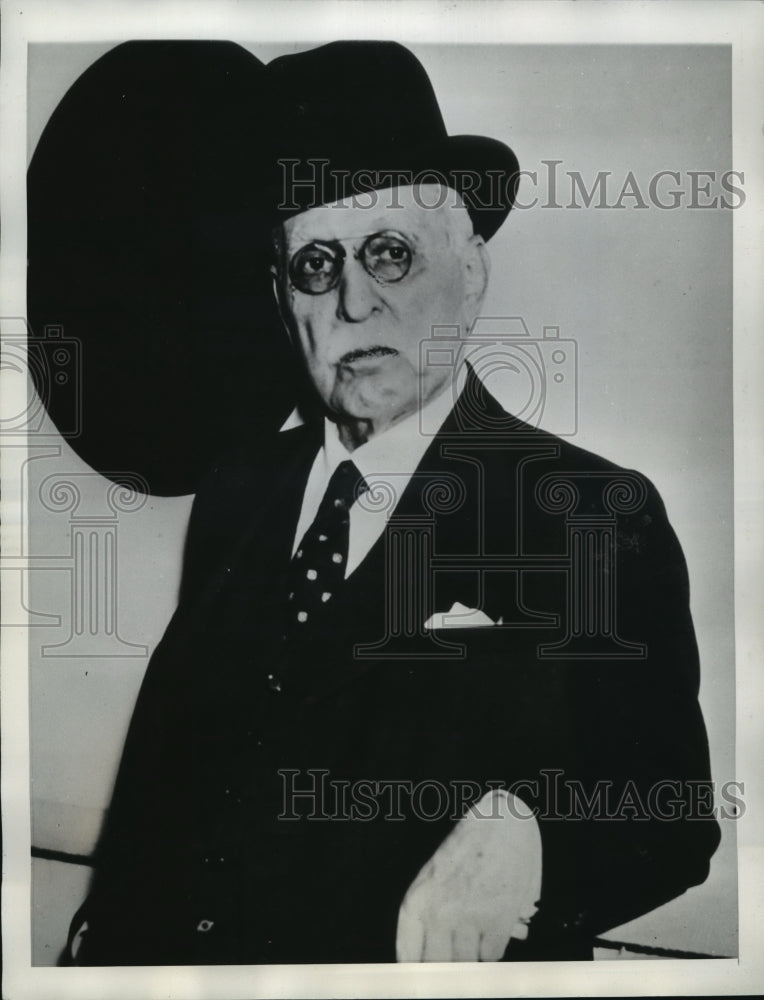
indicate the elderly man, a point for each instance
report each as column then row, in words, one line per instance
column 408, row 604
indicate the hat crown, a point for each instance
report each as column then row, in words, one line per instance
column 354, row 117
column 357, row 100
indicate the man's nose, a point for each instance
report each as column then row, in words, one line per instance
column 357, row 293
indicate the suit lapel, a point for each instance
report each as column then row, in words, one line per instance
column 439, row 514
column 251, row 569
column 441, row 511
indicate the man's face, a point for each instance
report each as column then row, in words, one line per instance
column 360, row 289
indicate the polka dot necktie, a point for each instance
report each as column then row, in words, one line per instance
column 317, row 569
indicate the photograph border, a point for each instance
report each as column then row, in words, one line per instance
column 737, row 24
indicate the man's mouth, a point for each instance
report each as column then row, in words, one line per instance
column 366, row 354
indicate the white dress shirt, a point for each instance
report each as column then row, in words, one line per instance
column 387, row 462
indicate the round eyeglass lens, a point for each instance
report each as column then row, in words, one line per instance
column 386, row 257
column 315, row 269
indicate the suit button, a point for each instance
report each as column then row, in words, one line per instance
column 274, row 683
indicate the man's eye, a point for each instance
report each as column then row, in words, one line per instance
column 314, row 269
column 314, row 261
column 387, row 258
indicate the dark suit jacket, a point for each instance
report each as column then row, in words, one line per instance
column 581, row 701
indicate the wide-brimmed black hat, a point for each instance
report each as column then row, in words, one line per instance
column 357, row 116
column 153, row 323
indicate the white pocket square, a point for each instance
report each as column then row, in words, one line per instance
column 460, row 616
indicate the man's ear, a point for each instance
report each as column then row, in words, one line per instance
column 477, row 269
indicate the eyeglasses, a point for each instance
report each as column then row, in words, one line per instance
column 316, row 268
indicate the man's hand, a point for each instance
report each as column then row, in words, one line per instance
column 477, row 890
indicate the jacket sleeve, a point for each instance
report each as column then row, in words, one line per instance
column 637, row 792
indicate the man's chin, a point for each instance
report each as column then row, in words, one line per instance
column 377, row 406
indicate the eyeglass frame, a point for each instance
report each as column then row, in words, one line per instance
column 336, row 248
